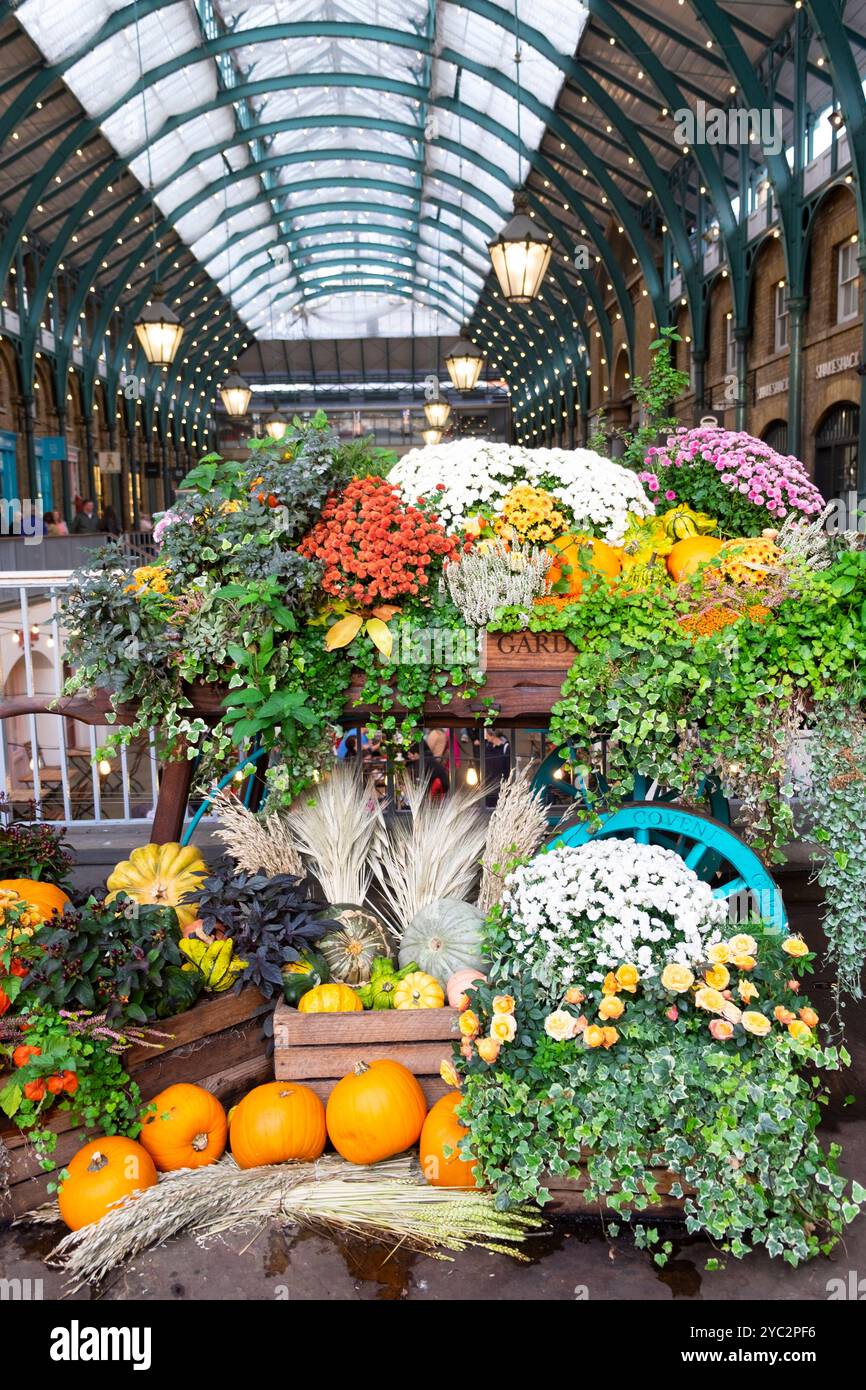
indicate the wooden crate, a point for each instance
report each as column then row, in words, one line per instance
column 219, row 1045
column 319, row 1049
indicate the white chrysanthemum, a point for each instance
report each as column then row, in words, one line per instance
column 573, row 914
column 599, row 493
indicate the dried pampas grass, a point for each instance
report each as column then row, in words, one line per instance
column 333, row 826
column 388, row 1201
column 516, row 828
column 258, row 844
column 434, row 852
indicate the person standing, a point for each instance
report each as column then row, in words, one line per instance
column 86, row 522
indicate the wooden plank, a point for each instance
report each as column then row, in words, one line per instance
column 519, row 652
column 522, row 696
column 208, row 1016
column 201, row 1059
column 302, row 1063
column 292, row 1028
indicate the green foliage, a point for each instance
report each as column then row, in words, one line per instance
column 34, row 849
column 655, row 395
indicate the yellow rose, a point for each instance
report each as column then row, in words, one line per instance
column 503, row 1027
column 611, row 1007
column 717, row 977
column 488, row 1049
column 611, row 984
column 744, row 962
column 710, row 999
column 719, row 953
column 747, row 991
column 627, row 977
column 559, row 1025
column 468, row 1023
column 799, row 1030
column 743, row 945
column 503, row 1004
column 795, row 946
column 574, row 995
column 609, row 1037
column 449, row 1073
column 677, row 978
column 756, row 1023
column 593, row 1036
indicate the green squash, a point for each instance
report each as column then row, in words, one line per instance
column 303, row 974
column 384, row 979
column 352, row 948
column 444, row 937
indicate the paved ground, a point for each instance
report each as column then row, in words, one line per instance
column 574, row 1260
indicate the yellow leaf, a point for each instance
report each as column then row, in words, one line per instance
column 380, row 635
column 343, row 632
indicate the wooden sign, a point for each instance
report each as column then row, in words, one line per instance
column 528, row 651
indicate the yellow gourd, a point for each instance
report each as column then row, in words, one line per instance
column 330, row 999
column 419, row 991
column 161, row 874
column 746, row 561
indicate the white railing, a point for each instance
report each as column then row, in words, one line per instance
column 51, row 760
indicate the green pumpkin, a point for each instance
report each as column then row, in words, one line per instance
column 444, row 937
column 351, row 950
column 384, row 979
column 303, row 974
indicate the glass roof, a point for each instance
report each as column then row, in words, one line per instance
column 335, row 167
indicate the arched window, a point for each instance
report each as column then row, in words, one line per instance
column 836, row 447
column 776, row 435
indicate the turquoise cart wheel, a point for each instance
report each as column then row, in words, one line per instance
column 246, row 765
column 711, row 848
column 563, row 784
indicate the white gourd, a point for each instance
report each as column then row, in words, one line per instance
column 444, row 936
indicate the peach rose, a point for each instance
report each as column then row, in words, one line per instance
column 488, row 1049
column 593, row 1036
column 468, row 1023
column 744, row 962
column 743, row 945
column 755, row 1023
column 559, row 1025
column 795, row 946
column 710, row 999
column 503, row 1004
column 677, row 978
column 611, row 984
column 799, row 1030
column 717, row 977
column 611, row 1006
column 574, row 995
column 783, row 1015
column 627, row 977
column 731, row 1012
column 794, row 986
column 809, row 1017
column 672, row 1013
column 747, row 991
column 610, row 1036
column 721, row 1029
column 719, row 953
column 503, row 1028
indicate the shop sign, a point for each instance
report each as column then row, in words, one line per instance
column 837, row 364
column 108, row 460
column 771, row 388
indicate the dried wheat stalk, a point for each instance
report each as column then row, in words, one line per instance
column 431, row 853
column 516, row 828
column 333, row 826
column 258, row 844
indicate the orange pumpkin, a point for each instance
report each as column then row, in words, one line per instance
column 276, row 1123
column 187, row 1129
column 375, row 1112
column 43, row 899
column 686, row 555
column 442, row 1130
column 99, row 1175
column 574, row 555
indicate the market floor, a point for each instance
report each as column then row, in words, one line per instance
column 573, row 1260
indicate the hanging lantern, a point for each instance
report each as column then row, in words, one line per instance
column 465, row 362
column 276, row 425
column 235, row 395
column 520, row 255
column 437, row 413
column 431, row 436
column 158, row 330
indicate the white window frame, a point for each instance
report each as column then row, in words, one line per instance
column 847, row 283
column 780, row 318
column 730, row 345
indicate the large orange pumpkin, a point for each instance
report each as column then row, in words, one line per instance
column 187, row 1129
column 276, row 1123
column 43, row 899
column 442, row 1130
column 686, row 555
column 375, row 1112
column 99, row 1175
column 573, row 555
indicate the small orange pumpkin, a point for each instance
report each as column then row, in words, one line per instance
column 442, row 1130
column 43, row 899
column 573, row 555
column 375, row 1112
column 276, row 1123
column 99, row 1175
column 187, row 1129
column 330, row 999
column 688, row 554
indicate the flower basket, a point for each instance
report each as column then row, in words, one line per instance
column 217, row 1044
